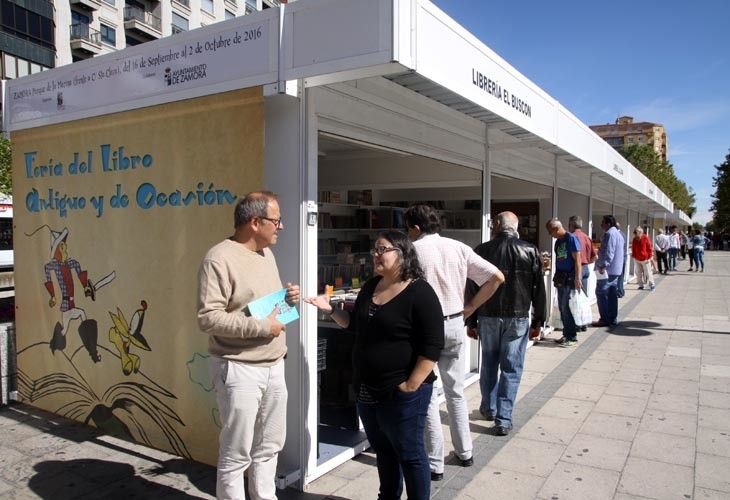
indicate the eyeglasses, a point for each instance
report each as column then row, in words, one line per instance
column 275, row 222
column 380, row 251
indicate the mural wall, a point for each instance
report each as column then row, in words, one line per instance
column 112, row 218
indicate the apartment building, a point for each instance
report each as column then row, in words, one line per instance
column 87, row 28
column 625, row 133
column 27, row 37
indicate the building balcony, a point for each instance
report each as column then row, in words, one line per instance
column 142, row 22
column 185, row 3
column 87, row 4
column 85, row 39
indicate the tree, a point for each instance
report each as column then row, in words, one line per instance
column 6, row 171
column 661, row 173
column 721, row 202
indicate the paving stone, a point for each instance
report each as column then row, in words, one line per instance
column 711, row 471
column 714, row 418
column 585, row 376
column 713, row 442
column 9, row 456
column 601, row 365
column 661, row 447
column 690, row 352
column 715, row 359
column 566, row 408
column 715, row 399
column 550, row 429
column 681, row 362
column 658, row 480
column 594, row 451
column 639, row 363
column 678, row 424
column 629, row 389
column 705, row 494
column 618, row 405
column 572, row 481
column 641, row 376
column 511, row 485
column 670, row 386
column 680, row 403
column 608, row 354
column 584, row 392
column 528, row 456
column 610, row 426
column 678, row 373
column 717, row 384
column 715, row 371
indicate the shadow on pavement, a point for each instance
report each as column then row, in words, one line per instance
column 95, row 478
column 634, row 328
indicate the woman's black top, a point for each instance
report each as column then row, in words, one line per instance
column 389, row 341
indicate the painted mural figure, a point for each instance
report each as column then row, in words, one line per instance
column 63, row 268
column 123, row 335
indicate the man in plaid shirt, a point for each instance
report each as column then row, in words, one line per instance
column 447, row 264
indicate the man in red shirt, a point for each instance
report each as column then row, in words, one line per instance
column 643, row 253
column 587, row 252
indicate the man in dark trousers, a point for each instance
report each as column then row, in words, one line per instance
column 504, row 320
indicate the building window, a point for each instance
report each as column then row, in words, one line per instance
column 229, row 14
column 113, row 3
column 23, row 68
column 108, row 35
column 10, row 70
column 179, row 23
column 207, row 6
column 27, row 25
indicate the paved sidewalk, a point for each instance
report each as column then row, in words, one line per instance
column 641, row 411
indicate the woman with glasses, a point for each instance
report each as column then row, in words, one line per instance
column 399, row 330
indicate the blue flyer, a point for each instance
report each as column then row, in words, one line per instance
column 262, row 307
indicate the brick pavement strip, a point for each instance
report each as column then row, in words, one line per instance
column 636, row 412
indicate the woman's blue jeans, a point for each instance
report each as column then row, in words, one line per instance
column 699, row 256
column 395, row 430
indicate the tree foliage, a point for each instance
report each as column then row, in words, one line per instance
column 661, row 173
column 721, row 197
column 6, row 171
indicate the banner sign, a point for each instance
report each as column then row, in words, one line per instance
column 238, row 50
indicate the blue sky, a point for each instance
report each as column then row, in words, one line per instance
column 659, row 61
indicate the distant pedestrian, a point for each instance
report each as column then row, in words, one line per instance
column 643, row 254
column 699, row 242
column 673, row 247
column 661, row 246
column 620, row 292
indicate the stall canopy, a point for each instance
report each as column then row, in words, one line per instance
column 410, row 42
column 415, row 45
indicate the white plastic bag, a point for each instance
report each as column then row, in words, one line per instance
column 580, row 307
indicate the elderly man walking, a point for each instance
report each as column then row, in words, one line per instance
column 610, row 261
column 503, row 321
column 661, row 247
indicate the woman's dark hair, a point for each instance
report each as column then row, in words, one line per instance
column 410, row 267
column 424, row 216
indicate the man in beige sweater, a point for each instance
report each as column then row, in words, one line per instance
column 247, row 353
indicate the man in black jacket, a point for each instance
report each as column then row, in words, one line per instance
column 503, row 321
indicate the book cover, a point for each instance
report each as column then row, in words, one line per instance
column 262, row 307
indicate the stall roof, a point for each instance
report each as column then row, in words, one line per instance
column 411, row 42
